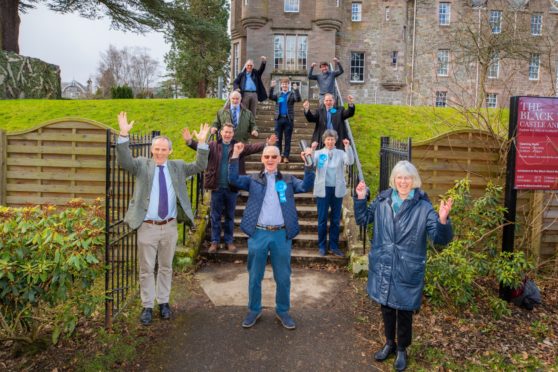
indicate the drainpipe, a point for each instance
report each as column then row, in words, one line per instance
column 413, row 52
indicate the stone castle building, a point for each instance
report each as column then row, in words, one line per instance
column 405, row 52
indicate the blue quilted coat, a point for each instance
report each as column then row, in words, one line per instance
column 256, row 186
column 397, row 259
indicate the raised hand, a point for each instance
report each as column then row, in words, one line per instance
column 361, row 190
column 263, row 58
column 335, row 60
column 350, row 99
column 187, row 135
column 445, row 208
column 202, row 134
column 254, row 133
column 213, row 130
column 314, row 145
column 346, row 143
column 306, row 105
column 237, row 150
column 125, row 127
column 273, row 83
column 314, row 64
column 271, row 140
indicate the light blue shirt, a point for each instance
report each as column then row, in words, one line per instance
column 396, row 201
column 249, row 82
column 271, row 214
column 331, row 170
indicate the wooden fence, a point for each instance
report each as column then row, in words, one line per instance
column 53, row 163
column 476, row 154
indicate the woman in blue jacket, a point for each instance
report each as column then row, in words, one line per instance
column 403, row 217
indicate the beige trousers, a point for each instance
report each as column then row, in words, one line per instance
column 250, row 101
column 156, row 243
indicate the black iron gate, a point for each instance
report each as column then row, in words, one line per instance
column 392, row 151
column 121, row 276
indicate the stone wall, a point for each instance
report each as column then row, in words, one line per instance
column 25, row 77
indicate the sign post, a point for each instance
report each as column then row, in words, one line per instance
column 532, row 162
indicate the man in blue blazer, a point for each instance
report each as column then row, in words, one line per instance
column 160, row 199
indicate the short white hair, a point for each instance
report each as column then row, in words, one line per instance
column 274, row 150
column 249, row 62
column 235, row 93
column 405, row 168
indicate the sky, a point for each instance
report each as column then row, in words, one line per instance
column 75, row 43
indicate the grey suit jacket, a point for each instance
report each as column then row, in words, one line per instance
column 144, row 169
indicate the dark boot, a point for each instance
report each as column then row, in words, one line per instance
column 400, row 361
column 165, row 311
column 384, row 353
column 146, row 316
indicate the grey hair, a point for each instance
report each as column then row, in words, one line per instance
column 235, row 92
column 405, row 168
column 330, row 133
column 156, row 138
column 249, row 61
column 272, row 148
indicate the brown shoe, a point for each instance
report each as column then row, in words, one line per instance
column 285, row 159
column 212, row 248
column 232, row 248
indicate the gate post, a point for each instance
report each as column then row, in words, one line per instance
column 3, row 166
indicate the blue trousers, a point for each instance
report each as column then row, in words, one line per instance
column 284, row 125
column 223, row 201
column 276, row 244
column 324, row 204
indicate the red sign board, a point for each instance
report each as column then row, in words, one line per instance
column 536, row 160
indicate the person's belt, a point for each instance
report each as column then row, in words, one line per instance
column 250, row 91
column 153, row 222
column 283, row 116
column 270, row 227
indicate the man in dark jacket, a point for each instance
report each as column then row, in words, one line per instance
column 284, row 114
column 223, row 197
column 328, row 116
column 326, row 79
column 249, row 84
column 271, row 222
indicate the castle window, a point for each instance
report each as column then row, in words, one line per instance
column 494, row 67
column 394, row 58
column 387, row 13
column 290, row 52
column 236, row 59
column 291, row 6
column 357, row 67
column 444, row 12
column 534, row 65
column 443, row 62
column 356, row 13
column 495, row 21
column 536, row 24
column 491, row 100
column 441, row 99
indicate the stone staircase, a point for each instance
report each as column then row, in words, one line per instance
column 305, row 244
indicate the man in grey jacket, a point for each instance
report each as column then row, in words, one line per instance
column 160, row 199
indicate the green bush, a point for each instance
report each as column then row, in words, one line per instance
column 472, row 262
column 121, row 92
column 49, row 262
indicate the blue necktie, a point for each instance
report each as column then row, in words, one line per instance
column 234, row 117
column 163, row 197
column 329, row 126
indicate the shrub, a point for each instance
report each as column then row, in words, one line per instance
column 456, row 275
column 123, row 91
column 49, row 262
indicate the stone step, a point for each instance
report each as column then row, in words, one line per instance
column 301, row 256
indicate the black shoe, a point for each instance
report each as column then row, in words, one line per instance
column 165, row 311
column 146, row 316
column 400, row 361
column 385, row 352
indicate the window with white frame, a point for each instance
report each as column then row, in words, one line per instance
column 536, row 24
column 534, row 66
column 357, row 67
column 495, row 21
column 291, row 6
column 491, row 100
column 444, row 12
column 290, row 52
column 236, row 59
column 356, row 12
column 441, row 98
column 494, row 66
column 443, row 62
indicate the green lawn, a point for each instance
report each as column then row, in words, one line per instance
column 170, row 116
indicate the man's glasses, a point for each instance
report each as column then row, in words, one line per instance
column 270, row 156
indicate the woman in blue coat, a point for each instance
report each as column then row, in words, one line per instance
column 403, row 217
